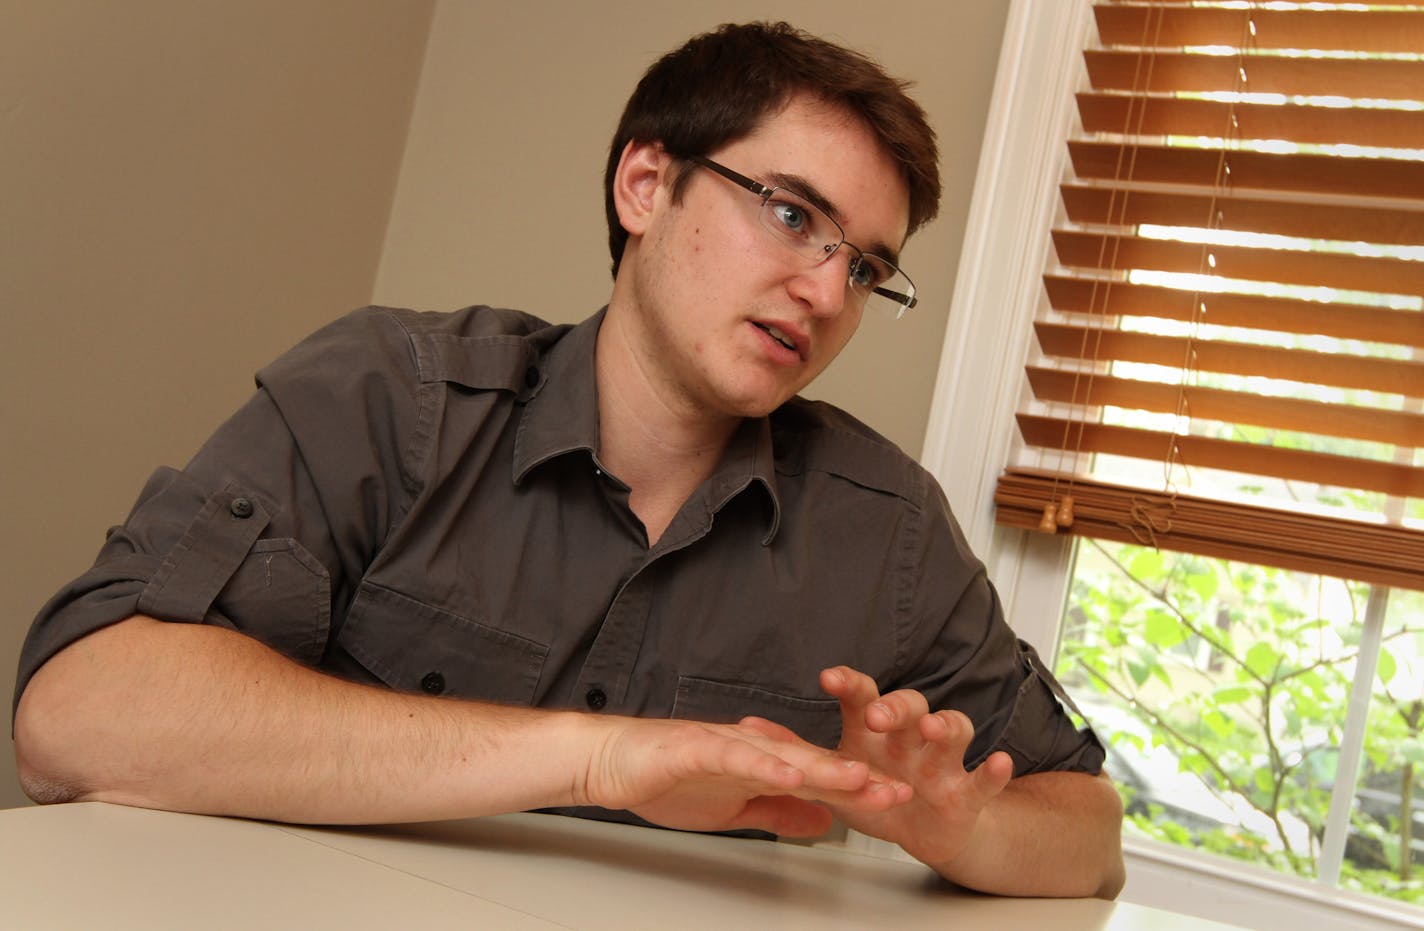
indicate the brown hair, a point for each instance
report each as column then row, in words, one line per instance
column 719, row 86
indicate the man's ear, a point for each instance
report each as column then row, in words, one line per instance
column 642, row 169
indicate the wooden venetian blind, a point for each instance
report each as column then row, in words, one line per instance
column 1230, row 356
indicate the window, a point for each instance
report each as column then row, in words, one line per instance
column 1257, row 711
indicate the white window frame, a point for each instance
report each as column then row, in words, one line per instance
column 971, row 434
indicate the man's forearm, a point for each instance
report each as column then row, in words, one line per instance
column 200, row 719
column 197, row 718
column 1047, row 834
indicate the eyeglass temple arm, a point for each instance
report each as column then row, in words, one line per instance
column 904, row 299
column 741, row 180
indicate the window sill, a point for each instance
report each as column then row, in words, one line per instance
column 1230, row 891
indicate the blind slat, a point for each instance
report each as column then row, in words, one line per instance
column 1174, row 27
column 1075, row 294
column 1289, row 266
column 1399, row 428
column 1139, row 115
column 1383, row 79
column 1192, row 2
column 1101, row 344
column 1382, row 554
column 1103, row 204
column 1262, row 171
column 1298, row 465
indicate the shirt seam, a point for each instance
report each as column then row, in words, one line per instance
column 415, row 451
column 911, row 543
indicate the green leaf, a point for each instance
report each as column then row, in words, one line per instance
column 1205, row 584
column 1291, row 712
column 1232, row 694
column 1220, row 724
column 1264, row 783
column 1387, row 667
column 1163, row 630
column 1146, row 565
column 1262, row 659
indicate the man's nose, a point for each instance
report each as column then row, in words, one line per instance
column 823, row 285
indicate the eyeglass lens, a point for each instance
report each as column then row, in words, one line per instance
column 808, row 230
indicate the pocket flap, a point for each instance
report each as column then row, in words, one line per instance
column 815, row 720
column 412, row 646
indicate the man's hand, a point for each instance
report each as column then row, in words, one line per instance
column 1048, row 834
column 897, row 734
column 720, row 777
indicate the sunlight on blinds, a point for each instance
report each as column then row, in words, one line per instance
column 1230, row 355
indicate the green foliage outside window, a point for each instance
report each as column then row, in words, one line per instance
column 1223, row 689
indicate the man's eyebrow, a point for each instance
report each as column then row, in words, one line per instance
column 805, row 189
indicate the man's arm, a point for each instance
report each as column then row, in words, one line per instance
column 197, row 718
column 1046, row 834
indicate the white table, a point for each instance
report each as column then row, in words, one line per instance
column 105, row 866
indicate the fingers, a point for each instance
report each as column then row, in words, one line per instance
column 829, row 776
column 947, row 735
column 910, row 742
column 784, row 815
column 862, row 705
column 768, row 728
column 994, row 773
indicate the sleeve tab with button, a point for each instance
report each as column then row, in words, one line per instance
column 209, row 552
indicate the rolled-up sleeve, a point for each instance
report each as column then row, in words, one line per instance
column 965, row 657
column 267, row 528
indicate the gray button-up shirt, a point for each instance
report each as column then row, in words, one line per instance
column 416, row 501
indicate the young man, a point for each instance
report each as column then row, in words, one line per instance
column 452, row 565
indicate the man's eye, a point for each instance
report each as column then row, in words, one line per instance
column 790, row 216
column 866, row 273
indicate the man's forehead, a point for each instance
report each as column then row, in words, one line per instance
column 825, row 127
column 830, row 156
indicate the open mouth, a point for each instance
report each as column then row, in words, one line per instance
column 777, row 335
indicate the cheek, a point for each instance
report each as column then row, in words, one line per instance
column 846, row 327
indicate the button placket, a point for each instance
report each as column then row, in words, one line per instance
column 608, row 668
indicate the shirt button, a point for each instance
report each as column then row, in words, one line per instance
column 240, row 508
column 531, row 377
column 432, row 683
column 595, row 698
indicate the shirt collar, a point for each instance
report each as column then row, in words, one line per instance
column 561, row 416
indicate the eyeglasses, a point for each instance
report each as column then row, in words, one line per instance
column 807, row 230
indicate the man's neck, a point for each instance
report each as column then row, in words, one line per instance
column 650, row 436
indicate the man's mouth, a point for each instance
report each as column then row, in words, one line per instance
column 779, row 336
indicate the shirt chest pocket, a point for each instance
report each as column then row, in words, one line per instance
column 815, row 720
column 412, row 646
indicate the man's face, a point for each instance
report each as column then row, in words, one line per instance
column 731, row 321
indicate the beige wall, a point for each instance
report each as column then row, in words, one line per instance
column 188, row 186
